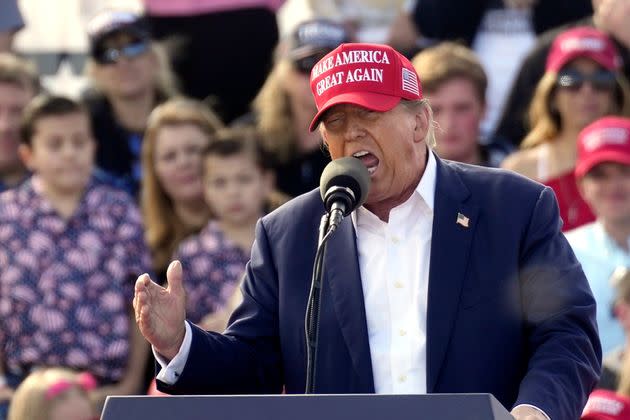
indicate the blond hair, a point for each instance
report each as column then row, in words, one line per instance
column 30, row 402
column 545, row 121
column 163, row 228
column 274, row 116
column 449, row 60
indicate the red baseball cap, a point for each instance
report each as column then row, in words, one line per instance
column 372, row 76
column 606, row 405
column 586, row 42
column 605, row 140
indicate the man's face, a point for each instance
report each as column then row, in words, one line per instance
column 458, row 111
column 13, row 99
column 390, row 144
column 606, row 188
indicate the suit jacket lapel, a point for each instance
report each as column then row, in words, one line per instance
column 450, row 248
column 344, row 279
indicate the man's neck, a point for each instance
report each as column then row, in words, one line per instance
column 133, row 112
column 619, row 232
column 381, row 209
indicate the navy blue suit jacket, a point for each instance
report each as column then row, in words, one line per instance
column 509, row 309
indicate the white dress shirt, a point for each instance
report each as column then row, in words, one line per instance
column 394, row 263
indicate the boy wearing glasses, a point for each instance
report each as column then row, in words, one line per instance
column 603, row 175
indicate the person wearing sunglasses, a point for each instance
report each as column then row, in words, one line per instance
column 130, row 78
column 285, row 106
column 582, row 83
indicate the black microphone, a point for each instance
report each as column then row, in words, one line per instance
column 344, row 186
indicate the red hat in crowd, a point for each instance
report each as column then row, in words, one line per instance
column 583, row 42
column 606, row 405
column 605, row 140
column 372, row 76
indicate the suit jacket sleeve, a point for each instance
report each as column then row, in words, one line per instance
column 246, row 358
column 559, row 315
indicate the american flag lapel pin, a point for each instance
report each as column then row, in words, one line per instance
column 462, row 220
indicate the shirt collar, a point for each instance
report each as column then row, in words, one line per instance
column 425, row 189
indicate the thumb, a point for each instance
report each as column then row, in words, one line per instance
column 174, row 278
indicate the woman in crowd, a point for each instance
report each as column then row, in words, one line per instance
column 582, row 83
column 172, row 198
column 284, row 107
column 130, row 76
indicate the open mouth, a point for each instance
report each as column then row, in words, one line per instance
column 368, row 159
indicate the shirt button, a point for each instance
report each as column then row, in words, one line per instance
column 395, row 240
column 402, row 378
column 398, row 285
column 402, row 333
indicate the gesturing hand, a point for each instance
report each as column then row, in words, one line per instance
column 160, row 312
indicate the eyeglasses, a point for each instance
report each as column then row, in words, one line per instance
column 601, row 80
column 306, row 64
column 113, row 55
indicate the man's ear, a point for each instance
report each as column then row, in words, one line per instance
column 421, row 125
column 26, row 155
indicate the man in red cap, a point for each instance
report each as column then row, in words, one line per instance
column 450, row 278
column 603, row 175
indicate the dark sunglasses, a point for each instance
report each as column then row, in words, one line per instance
column 602, row 80
column 306, row 64
column 132, row 50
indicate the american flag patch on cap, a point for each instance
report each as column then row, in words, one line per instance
column 410, row 81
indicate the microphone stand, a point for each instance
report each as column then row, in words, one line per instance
column 311, row 323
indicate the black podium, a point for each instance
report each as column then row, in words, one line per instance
column 307, row 407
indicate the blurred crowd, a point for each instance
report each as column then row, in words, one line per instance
column 194, row 123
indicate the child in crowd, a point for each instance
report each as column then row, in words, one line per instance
column 71, row 248
column 54, row 394
column 238, row 184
